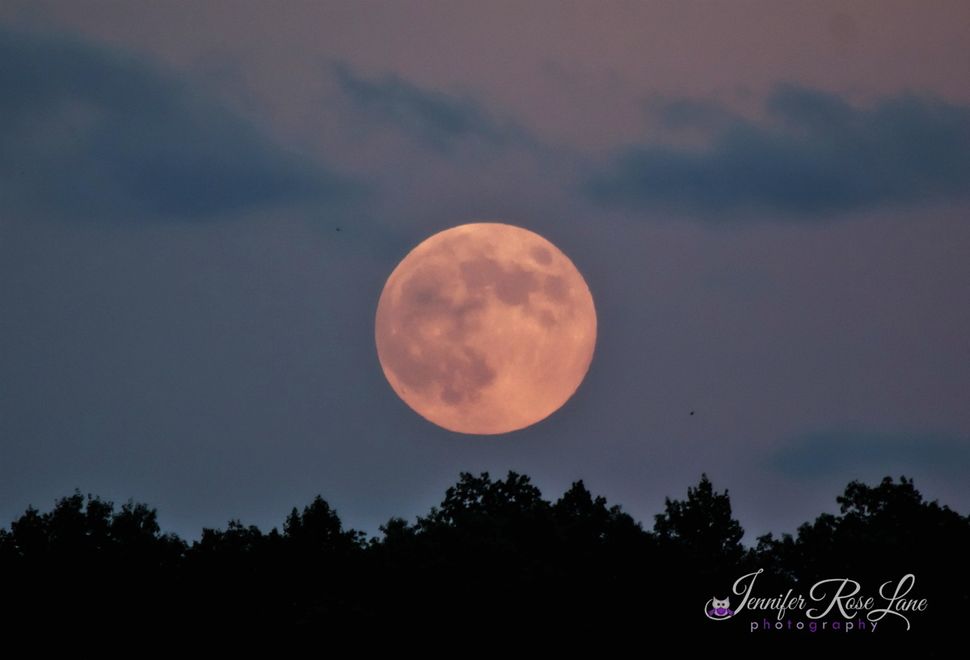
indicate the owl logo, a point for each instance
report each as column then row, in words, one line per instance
column 718, row 609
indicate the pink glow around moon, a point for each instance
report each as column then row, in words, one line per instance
column 485, row 328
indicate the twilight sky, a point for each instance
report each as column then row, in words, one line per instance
column 769, row 202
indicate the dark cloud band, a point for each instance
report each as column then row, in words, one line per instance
column 840, row 451
column 813, row 154
column 87, row 132
column 437, row 119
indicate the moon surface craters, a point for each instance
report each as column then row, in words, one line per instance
column 485, row 328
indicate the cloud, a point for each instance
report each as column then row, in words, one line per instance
column 839, row 451
column 436, row 118
column 93, row 133
column 689, row 113
column 812, row 154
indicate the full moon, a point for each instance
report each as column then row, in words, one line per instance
column 485, row 328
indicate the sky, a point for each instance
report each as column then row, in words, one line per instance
column 768, row 201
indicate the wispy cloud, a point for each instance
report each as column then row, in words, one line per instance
column 837, row 451
column 88, row 132
column 813, row 154
column 438, row 119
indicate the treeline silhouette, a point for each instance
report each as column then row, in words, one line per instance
column 494, row 556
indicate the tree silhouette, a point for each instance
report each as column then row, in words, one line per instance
column 318, row 530
column 881, row 533
column 85, row 551
column 701, row 528
column 494, row 556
